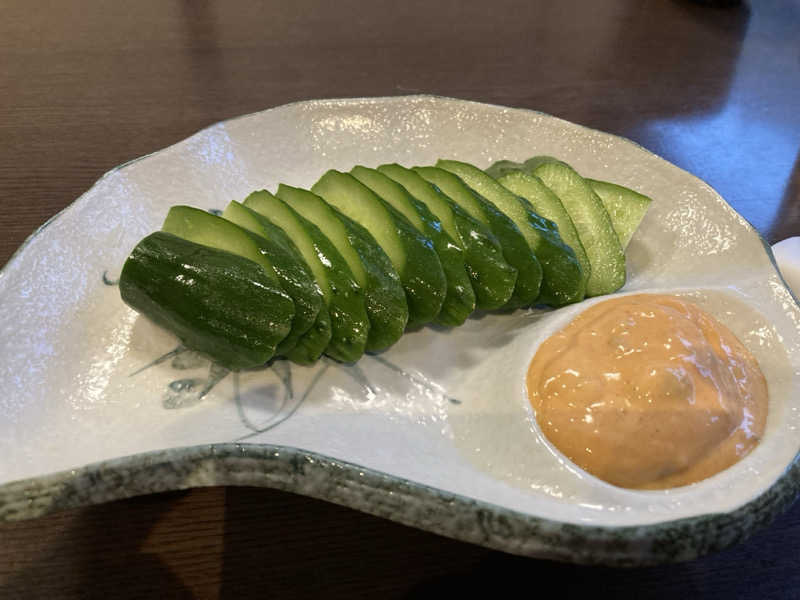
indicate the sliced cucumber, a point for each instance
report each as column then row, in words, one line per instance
column 420, row 189
column 411, row 253
column 295, row 277
column 490, row 277
column 548, row 205
column 591, row 221
column 343, row 296
column 459, row 301
column 625, row 206
column 504, row 167
column 385, row 300
column 514, row 248
column 202, row 227
column 562, row 279
column 217, row 302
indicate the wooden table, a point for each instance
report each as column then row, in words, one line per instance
column 87, row 85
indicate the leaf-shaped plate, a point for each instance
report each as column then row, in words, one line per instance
column 98, row 404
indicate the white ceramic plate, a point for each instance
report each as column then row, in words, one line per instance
column 436, row 432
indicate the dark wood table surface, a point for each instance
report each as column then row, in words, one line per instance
column 86, row 85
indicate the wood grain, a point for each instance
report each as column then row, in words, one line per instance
column 87, row 85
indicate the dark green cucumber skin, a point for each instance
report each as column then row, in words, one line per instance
column 492, row 278
column 596, row 231
column 348, row 314
column 562, row 278
column 385, row 300
column 459, row 300
column 515, row 248
column 548, row 205
column 423, row 279
column 387, row 297
column 217, row 303
column 309, row 332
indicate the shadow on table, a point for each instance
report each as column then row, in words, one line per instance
column 91, row 553
column 297, row 549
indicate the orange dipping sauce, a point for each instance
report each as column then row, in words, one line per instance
column 648, row 392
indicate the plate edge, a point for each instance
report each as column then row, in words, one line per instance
column 413, row 504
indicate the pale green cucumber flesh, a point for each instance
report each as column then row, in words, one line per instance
column 625, row 206
column 562, row 278
column 201, row 227
column 316, row 210
column 384, row 298
column 293, row 274
column 386, row 302
column 515, row 248
column 548, row 205
column 423, row 191
column 591, row 221
column 411, row 253
column 344, row 298
column 459, row 301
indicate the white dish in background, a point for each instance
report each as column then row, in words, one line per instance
column 437, row 432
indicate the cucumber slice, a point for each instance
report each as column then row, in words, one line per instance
column 562, row 279
column 504, row 167
column 591, row 221
column 384, row 298
column 491, row 278
column 217, row 302
column 548, row 205
column 411, row 253
column 202, row 227
column 459, row 301
column 420, row 189
column 625, row 206
column 343, row 296
column 514, row 248
column 293, row 273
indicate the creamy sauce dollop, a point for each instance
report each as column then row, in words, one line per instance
column 648, row 392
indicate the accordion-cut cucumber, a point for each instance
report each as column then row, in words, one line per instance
column 217, row 303
column 343, row 296
column 384, row 297
column 562, row 278
column 295, row 277
column 591, row 221
column 411, row 253
column 514, row 246
column 459, row 301
column 625, row 207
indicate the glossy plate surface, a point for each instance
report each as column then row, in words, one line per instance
column 97, row 404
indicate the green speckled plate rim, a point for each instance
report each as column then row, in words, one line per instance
column 459, row 517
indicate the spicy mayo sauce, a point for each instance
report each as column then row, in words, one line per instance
column 648, row 391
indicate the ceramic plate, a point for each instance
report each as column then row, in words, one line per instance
column 98, row 404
